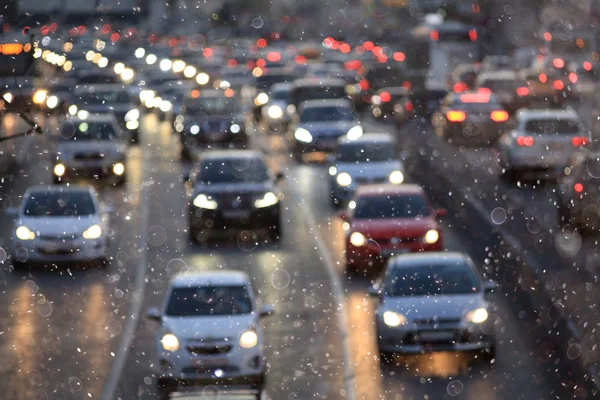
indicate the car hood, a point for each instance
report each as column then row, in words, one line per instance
column 370, row 169
column 59, row 226
column 224, row 119
column 323, row 129
column 110, row 149
column 217, row 327
column 442, row 306
column 234, row 188
column 106, row 108
column 394, row 226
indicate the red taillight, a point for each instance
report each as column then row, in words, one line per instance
column 522, row 91
column 368, row 45
column 385, row 96
column 353, row 65
column 499, row 116
column 399, row 56
column 547, row 36
column 558, row 63
column 345, row 48
column 434, row 35
column 232, row 63
column 578, row 187
column 456, row 116
column 558, row 85
column 587, row 66
column 377, row 51
column 364, row 84
column 473, row 35
column 459, row 87
column 261, row 63
column 579, row 141
column 408, row 106
column 407, row 85
column 300, row 60
column 525, row 141
column 382, row 58
column 573, row 77
column 207, row 52
column 274, row 56
column 261, row 43
column 484, row 90
column 543, row 78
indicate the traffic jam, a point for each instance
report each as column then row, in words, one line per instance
column 253, row 214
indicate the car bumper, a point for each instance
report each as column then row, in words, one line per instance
column 373, row 255
column 319, row 145
column 224, row 219
column 192, row 142
column 93, row 171
column 38, row 251
column 474, row 133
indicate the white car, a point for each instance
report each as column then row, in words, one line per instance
column 541, row 144
column 57, row 224
column 370, row 159
column 433, row 302
column 275, row 112
column 210, row 333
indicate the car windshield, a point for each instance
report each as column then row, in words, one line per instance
column 59, row 204
column 233, row 170
column 497, row 85
column 209, row 301
column 316, row 93
column 553, row 126
column 108, row 98
column 326, row 114
column 437, row 279
column 212, row 105
column 392, row 206
column 265, row 82
column 366, row 152
column 87, row 130
column 280, row 95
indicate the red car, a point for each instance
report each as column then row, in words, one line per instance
column 387, row 220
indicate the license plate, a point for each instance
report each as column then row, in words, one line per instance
column 436, row 336
column 557, row 146
column 210, row 362
column 394, row 252
column 233, row 214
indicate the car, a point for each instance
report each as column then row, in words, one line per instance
column 370, row 159
column 421, row 104
column 578, row 185
column 582, row 78
column 434, row 301
column 211, row 118
column 316, row 89
column 462, row 78
column 541, row 144
column 232, row 189
column 388, row 219
column 384, row 100
column 470, row 118
column 210, row 333
column 275, row 115
column 494, row 62
column 511, row 90
column 263, row 83
column 319, row 124
column 116, row 99
column 90, row 147
column 546, row 87
column 56, row 224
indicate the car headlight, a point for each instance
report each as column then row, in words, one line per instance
column 72, row 109
column 396, row 177
column 132, row 125
column 132, row 115
column 344, row 179
column 357, row 239
column 202, row 78
column 275, row 112
column 248, row 339
column 431, row 236
column 268, row 200
column 40, row 96
column 93, row 232
column 235, row 128
column 59, row 169
column 8, row 97
column 203, row 201
column 170, row 342
column 302, row 135
column 24, row 233
column 332, row 170
column 477, row 316
column 393, row 319
column 194, row 129
column 52, row 102
column 119, row 169
column 261, row 99
column 166, row 106
column 355, row 132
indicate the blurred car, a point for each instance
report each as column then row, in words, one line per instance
column 116, row 99
column 583, row 78
column 433, row 302
column 494, row 62
column 384, row 100
column 263, row 83
column 420, row 104
column 211, row 118
column 319, row 124
column 90, row 147
column 578, row 188
column 316, row 89
column 512, row 92
column 230, row 190
column 541, row 144
column 210, row 333
column 370, row 159
column 546, row 88
column 275, row 115
column 470, row 118
column 462, row 78
column 384, row 220
column 22, row 93
column 57, row 224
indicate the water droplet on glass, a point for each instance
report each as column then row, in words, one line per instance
column 3, row 255
column 247, row 240
column 498, row 215
column 45, row 310
column 567, row 243
column 32, row 287
column 211, row 392
column 75, row 384
column 157, row 235
column 34, row 377
column 574, row 351
column 455, row 388
column 280, row 279
column 147, row 380
column 118, row 293
column 257, row 23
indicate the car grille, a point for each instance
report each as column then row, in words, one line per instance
column 88, row 156
column 438, row 321
column 210, row 350
column 58, row 237
column 216, row 126
column 398, row 240
column 210, row 370
column 235, row 201
column 364, row 181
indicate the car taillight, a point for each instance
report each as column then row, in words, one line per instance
column 484, row 90
column 578, row 187
column 499, row 116
column 456, row 116
column 459, row 87
column 473, row 35
column 434, row 35
column 579, row 141
column 522, row 91
column 385, row 97
column 408, row 106
column 543, row 78
column 407, row 85
column 525, row 141
column 573, row 77
column 587, row 66
column 364, row 84
column 558, row 63
column 558, row 85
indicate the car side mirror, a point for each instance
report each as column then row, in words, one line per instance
column 343, row 215
column 266, row 310
column 490, row 286
column 441, row 212
column 153, row 314
column 12, row 211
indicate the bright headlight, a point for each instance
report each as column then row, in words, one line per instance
column 268, row 200
column 431, row 236
column 131, row 125
column 358, row 239
column 195, row 129
column 40, row 96
column 72, row 109
column 275, row 112
column 393, row 319
column 59, row 170
column 396, row 177
column 344, row 179
column 52, row 102
column 261, row 99
column 83, row 114
column 189, row 71
column 24, row 233
column 248, row 339
column 332, row 170
column 178, row 66
column 132, row 115
column 202, row 78
column 235, row 128
column 355, row 132
column 119, row 169
column 477, row 316
column 302, row 135
column 8, row 97
column 170, row 342
column 165, row 64
column 166, row 106
column 119, row 68
column 93, row 232
column 203, row 201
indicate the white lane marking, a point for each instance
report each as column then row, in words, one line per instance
column 137, row 296
column 338, row 294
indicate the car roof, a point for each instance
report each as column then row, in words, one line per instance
column 367, row 138
column 426, row 258
column 547, row 114
column 101, row 87
column 212, row 278
column 389, row 189
column 319, row 82
column 61, row 189
column 231, row 154
column 281, row 86
column 396, row 90
column 498, row 74
column 323, row 103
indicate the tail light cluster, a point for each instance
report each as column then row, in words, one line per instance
column 573, row 77
column 525, row 141
column 460, row 116
column 385, row 97
column 408, row 106
column 499, row 116
column 578, row 187
column 456, row 116
column 523, row 91
column 558, row 85
column 579, row 141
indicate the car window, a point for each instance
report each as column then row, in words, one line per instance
column 231, row 170
column 326, row 114
column 366, row 152
column 553, row 126
column 107, row 98
column 209, row 301
column 59, row 204
column 431, row 280
column 87, row 130
column 392, row 206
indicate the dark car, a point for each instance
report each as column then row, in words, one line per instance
column 511, row 90
column 420, row 104
column 384, row 101
column 263, row 84
column 233, row 189
column 211, row 118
